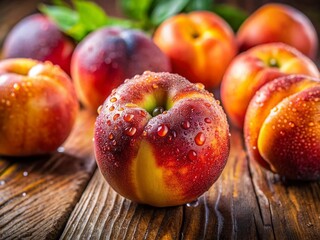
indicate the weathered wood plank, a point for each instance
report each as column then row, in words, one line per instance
column 39, row 193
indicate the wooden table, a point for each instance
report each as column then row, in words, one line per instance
column 63, row 195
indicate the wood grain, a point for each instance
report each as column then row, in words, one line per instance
column 39, row 193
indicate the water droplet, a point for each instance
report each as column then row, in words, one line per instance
column 254, row 147
column 2, row 182
column 207, row 104
column 200, row 85
column 200, row 139
column 109, row 122
column 291, row 124
column 16, row 86
column 282, row 133
column 60, row 149
column 185, row 125
column 111, row 108
column 143, row 113
column 192, row 155
column 194, row 203
column 114, row 142
column 25, row 173
column 311, row 124
column 207, row 120
column 162, row 130
column 120, row 109
column 111, row 136
column 144, row 133
column 99, row 109
column 113, row 99
column 128, row 117
column 130, row 105
column 116, row 116
column 155, row 86
column 24, row 194
column 130, row 131
column 157, row 111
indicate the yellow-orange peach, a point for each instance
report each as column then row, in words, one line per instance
column 161, row 140
column 199, row 44
column 252, row 69
column 38, row 107
column 279, row 23
column 282, row 127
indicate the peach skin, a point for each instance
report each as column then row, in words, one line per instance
column 38, row 107
column 199, row 44
column 250, row 70
column 279, row 23
column 161, row 140
column 282, row 127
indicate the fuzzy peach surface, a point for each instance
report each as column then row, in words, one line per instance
column 282, row 127
column 164, row 160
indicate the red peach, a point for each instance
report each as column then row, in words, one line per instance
column 161, row 140
column 105, row 58
column 37, row 37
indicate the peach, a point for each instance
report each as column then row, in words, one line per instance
column 161, row 140
column 37, row 37
column 105, row 58
column 282, row 127
column 199, row 44
column 252, row 69
column 279, row 23
column 38, row 107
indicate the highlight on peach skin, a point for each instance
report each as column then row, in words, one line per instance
column 199, row 44
column 38, row 107
column 282, row 127
column 161, row 140
column 279, row 23
column 250, row 70
column 37, row 37
column 106, row 57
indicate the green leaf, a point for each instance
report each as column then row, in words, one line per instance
column 199, row 5
column 64, row 17
column 136, row 9
column 234, row 16
column 91, row 15
column 164, row 9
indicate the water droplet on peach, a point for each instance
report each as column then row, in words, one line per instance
column 116, row 116
column 311, row 124
column 207, row 120
column 194, row 203
column 144, row 133
column 111, row 136
column 291, row 124
column 143, row 113
column 200, row 139
column 113, row 99
column 155, row 86
column 130, row 131
column 162, row 130
column 192, row 155
column 120, row 109
column 156, row 111
column 130, row 105
column 128, row 117
column 185, row 125
column 16, row 86
column 114, row 142
column 111, row 108
column 109, row 122
column 199, row 86
column 99, row 109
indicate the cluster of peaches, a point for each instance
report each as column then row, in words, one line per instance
column 159, row 138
